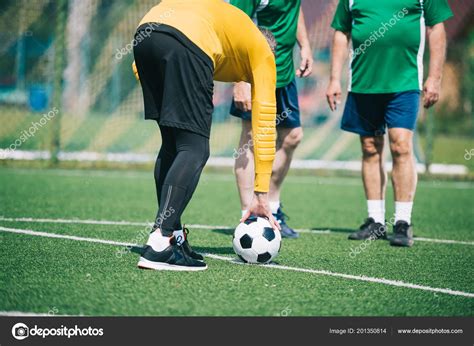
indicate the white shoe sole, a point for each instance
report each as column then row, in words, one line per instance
column 143, row 263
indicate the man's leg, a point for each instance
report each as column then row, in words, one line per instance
column 404, row 180
column 244, row 166
column 404, row 176
column 288, row 140
column 374, row 178
column 164, row 160
column 192, row 152
column 167, row 247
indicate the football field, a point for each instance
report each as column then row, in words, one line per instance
column 63, row 238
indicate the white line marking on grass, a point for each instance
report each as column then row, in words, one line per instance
column 209, row 177
column 63, row 236
column 129, row 223
column 444, row 241
column 353, row 277
column 272, row 266
column 74, row 221
column 28, row 314
column 429, row 240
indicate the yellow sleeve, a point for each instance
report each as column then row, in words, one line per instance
column 263, row 121
column 135, row 71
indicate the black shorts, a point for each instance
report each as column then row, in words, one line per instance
column 176, row 78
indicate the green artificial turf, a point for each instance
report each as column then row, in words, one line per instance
column 41, row 274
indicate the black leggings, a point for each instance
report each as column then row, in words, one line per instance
column 182, row 157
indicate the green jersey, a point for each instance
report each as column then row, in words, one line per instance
column 281, row 18
column 388, row 41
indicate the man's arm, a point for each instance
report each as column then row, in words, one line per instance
column 437, row 45
column 306, row 65
column 263, row 131
column 338, row 56
column 242, row 96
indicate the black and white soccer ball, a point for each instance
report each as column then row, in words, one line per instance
column 255, row 241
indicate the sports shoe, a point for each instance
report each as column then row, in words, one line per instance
column 188, row 249
column 174, row 257
column 286, row 231
column 402, row 234
column 369, row 229
column 193, row 254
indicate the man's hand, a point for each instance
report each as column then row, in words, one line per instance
column 260, row 207
column 242, row 96
column 437, row 42
column 135, row 71
column 306, row 65
column 431, row 91
column 333, row 94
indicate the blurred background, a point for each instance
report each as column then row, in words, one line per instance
column 68, row 95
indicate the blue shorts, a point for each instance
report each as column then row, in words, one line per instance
column 369, row 114
column 288, row 109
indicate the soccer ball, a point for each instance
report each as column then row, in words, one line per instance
column 255, row 241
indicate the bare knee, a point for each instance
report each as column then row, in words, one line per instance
column 292, row 139
column 401, row 149
column 372, row 148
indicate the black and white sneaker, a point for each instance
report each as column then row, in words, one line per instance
column 174, row 257
column 370, row 229
column 402, row 234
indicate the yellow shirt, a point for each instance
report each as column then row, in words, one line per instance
column 239, row 52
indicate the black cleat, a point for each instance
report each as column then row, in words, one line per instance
column 174, row 257
column 402, row 234
column 188, row 249
column 369, row 230
column 286, row 231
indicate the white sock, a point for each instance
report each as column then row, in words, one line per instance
column 244, row 212
column 157, row 241
column 274, row 206
column 376, row 209
column 403, row 211
column 179, row 236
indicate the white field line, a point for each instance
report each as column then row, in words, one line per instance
column 198, row 226
column 129, row 157
column 383, row 281
column 209, row 177
column 29, row 314
column 353, row 277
